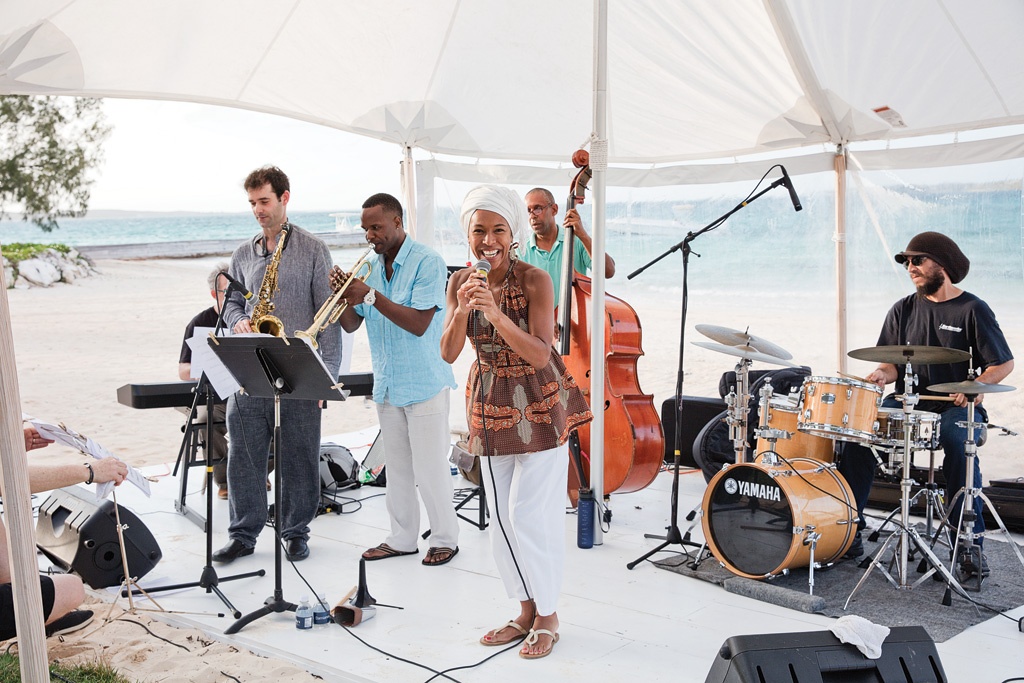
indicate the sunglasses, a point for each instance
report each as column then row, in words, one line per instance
column 914, row 260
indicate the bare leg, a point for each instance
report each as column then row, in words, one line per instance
column 544, row 642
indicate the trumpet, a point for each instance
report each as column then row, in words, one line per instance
column 335, row 305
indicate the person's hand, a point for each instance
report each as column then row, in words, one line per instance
column 242, row 326
column 34, row 440
column 878, row 377
column 338, row 278
column 573, row 222
column 475, row 295
column 109, row 469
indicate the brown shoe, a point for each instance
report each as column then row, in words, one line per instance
column 222, row 492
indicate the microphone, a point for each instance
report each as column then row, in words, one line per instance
column 481, row 268
column 788, row 182
column 239, row 287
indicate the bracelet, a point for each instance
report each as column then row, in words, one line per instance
column 92, row 474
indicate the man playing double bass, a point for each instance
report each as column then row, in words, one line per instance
column 544, row 248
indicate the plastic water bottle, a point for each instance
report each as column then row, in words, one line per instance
column 320, row 614
column 304, row 614
column 585, row 519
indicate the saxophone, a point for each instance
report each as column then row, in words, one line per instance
column 262, row 320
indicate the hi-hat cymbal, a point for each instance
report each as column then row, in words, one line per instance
column 969, row 387
column 730, row 337
column 748, row 352
column 918, row 355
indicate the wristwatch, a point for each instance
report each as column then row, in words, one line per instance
column 370, row 298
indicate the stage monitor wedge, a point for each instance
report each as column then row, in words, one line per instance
column 908, row 656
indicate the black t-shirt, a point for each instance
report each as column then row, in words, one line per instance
column 207, row 318
column 965, row 322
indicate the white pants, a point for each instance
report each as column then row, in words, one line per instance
column 527, row 499
column 416, row 441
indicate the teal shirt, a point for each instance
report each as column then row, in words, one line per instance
column 551, row 261
column 408, row 369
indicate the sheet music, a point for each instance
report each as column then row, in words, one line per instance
column 62, row 434
column 203, row 357
column 334, row 380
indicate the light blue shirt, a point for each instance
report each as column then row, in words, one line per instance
column 551, row 261
column 408, row 369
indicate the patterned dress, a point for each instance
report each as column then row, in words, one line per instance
column 525, row 410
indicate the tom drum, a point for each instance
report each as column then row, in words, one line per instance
column 839, row 408
column 782, row 415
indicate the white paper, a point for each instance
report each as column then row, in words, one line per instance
column 69, row 437
column 223, row 382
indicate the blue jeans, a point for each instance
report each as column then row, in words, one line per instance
column 251, row 425
column 857, row 464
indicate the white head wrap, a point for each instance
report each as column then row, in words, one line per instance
column 501, row 201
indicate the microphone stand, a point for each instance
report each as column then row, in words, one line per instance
column 673, row 535
column 208, row 579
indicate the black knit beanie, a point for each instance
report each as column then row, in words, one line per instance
column 940, row 249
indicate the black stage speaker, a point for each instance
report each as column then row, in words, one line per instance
column 78, row 532
column 908, row 656
column 697, row 412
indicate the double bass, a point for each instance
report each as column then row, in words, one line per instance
column 634, row 443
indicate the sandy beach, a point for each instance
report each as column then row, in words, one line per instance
column 76, row 344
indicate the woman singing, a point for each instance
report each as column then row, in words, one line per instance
column 521, row 406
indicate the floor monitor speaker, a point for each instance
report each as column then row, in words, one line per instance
column 908, row 656
column 78, row 532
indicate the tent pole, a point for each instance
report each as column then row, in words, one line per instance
column 599, row 165
column 840, row 239
column 409, row 194
column 17, row 494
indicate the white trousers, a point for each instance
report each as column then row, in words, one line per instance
column 416, row 441
column 526, row 499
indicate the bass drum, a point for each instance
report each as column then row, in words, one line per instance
column 757, row 517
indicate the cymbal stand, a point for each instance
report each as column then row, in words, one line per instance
column 965, row 535
column 738, row 408
column 933, row 505
column 765, row 432
column 736, row 418
column 906, row 533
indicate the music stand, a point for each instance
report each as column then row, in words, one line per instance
column 275, row 367
column 673, row 536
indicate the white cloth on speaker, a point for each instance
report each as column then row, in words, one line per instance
column 865, row 635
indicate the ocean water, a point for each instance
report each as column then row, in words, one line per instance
column 767, row 252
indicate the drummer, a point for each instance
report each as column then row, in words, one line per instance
column 939, row 314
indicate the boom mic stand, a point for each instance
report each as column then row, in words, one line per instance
column 208, row 579
column 673, row 535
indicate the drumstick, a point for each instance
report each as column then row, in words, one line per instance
column 929, row 397
column 859, row 379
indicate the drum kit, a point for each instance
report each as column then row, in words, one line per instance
column 788, row 506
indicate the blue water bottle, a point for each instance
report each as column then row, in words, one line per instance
column 585, row 519
column 320, row 614
column 304, row 614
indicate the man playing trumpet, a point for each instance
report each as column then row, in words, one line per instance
column 400, row 300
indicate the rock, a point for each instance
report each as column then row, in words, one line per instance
column 22, row 283
column 8, row 274
column 39, row 272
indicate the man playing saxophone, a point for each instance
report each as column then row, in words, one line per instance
column 402, row 302
column 289, row 270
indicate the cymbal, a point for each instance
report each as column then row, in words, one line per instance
column 730, row 337
column 748, row 352
column 970, row 387
column 918, row 355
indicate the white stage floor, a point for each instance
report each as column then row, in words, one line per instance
column 646, row 623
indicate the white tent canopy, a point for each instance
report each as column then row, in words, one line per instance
column 687, row 81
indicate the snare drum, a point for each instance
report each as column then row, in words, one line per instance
column 757, row 517
column 891, row 425
column 782, row 415
column 839, row 408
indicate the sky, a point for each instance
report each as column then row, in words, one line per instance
column 176, row 156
